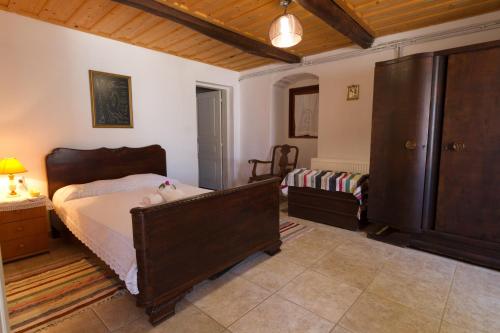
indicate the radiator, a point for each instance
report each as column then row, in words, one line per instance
column 340, row 165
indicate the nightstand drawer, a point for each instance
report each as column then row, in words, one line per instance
column 13, row 230
column 22, row 214
column 25, row 246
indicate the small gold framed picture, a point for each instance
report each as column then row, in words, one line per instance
column 353, row 92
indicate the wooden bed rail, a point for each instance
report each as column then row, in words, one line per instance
column 182, row 243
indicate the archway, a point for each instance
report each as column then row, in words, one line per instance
column 281, row 117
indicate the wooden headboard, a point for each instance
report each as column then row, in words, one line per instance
column 72, row 166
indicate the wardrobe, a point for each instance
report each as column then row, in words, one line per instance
column 435, row 152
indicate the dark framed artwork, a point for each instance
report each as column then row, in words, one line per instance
column 303, row 112
column 111, row 99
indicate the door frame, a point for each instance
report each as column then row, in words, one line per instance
column 227, row 130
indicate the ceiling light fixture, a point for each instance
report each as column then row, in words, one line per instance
column 286, row 30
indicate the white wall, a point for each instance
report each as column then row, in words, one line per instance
column 344, row 126
column 45, row 101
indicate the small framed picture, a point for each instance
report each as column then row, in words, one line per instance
column 111, row 99
column 353, row 92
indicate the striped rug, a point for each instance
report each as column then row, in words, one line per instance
column 56, row 291
column 290, row 230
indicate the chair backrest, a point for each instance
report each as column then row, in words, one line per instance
column 282, row 161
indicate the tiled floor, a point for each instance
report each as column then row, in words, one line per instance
column 328, row 280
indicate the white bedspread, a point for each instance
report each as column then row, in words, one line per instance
column 104, row 224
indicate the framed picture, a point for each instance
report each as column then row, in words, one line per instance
column 111, row 99
column 303, row 112
column 353, row 92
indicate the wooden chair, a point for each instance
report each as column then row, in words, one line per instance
column 284, row 164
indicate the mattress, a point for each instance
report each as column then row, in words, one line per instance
column 104, row 224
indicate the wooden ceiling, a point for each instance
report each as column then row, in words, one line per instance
column 250, row 18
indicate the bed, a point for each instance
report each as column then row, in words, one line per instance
column 160, row 251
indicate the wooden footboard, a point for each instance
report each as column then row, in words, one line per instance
column 182, row 243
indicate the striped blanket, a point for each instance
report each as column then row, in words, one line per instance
column 355, row 183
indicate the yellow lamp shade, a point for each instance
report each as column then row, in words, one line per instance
column 9, row 166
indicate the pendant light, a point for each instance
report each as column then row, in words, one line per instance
column 286, row 30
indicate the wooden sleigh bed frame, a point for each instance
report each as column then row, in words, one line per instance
column 182, row 243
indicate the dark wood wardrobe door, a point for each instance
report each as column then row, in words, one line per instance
column 469, row 176
column 400, row 121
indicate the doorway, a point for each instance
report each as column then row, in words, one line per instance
column 212, row 126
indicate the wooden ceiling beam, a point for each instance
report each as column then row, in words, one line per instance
column 336, row 17
column 211, row 30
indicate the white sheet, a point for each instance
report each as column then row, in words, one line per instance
column 104, row 224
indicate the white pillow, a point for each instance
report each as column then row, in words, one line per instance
column 100, row 187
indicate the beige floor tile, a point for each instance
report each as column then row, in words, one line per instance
column 340, row 329
column 228, row 298
column 355, row 262
column 373, row 314
column 306, row 249
column 85, row 322
column 188, row 319
column 450, row 328
column 418, row 280
column 474, row 300
column 277, row 315
column 268, row 272
column 324, row 296
column 118, row 311
column 426, row 266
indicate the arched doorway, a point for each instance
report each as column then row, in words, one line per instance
column 304, row 115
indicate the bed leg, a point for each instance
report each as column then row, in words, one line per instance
column 274, row 248
column 162, row 311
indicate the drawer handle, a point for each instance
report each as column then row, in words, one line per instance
column 20, row 229
column 410, row 145
column 21, row 246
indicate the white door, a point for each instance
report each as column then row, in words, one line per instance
column 209, row 140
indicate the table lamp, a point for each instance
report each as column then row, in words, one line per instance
column 10, row 166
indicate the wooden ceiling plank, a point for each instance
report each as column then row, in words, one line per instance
column 402, row 11
column 59, row 10
column 360, row 6
column 115, row 20
column 434, row 9
column 157, row 32
column 349, row 9
column 224, row 35
column 475, row 8
column 202, row 48
column 393, row 8
column 337, row 18
column 240, row 9
column 223, row 55
column 137, row 26
column 242, row 57
column 90, row 13
column 29, row 7
column 173, row 37
column 194, row 40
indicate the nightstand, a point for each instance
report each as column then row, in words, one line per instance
column 24, row 227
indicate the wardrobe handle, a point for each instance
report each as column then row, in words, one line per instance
column 410, row 145
column 454, row 146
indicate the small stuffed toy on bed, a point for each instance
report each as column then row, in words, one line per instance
column 152, row 199
column 169, row 192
